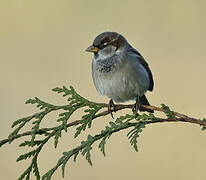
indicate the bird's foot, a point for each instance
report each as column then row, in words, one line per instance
column 111, row 107
column 136, row 107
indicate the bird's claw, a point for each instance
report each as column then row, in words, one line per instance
column 111, row 107
column 136, row 107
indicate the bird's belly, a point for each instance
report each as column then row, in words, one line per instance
column 120, row 86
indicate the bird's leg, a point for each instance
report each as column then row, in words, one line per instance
column 111, row 106
column 137, row 106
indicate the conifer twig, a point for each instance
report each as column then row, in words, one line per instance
column 91, row 111
column 182, row 118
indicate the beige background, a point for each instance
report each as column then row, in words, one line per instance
column 42, row 45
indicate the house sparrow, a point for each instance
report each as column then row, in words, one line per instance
column 119, row 71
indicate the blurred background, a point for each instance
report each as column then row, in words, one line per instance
column 42, row 46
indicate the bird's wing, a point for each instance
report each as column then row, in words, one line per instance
column 145, row 65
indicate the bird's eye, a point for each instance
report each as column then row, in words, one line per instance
column 105, row 44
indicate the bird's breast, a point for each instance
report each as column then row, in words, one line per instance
column 120, row 82
column 106, row 65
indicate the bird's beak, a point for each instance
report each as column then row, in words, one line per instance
column 92, row 49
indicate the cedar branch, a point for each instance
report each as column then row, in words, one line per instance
column 118, row 107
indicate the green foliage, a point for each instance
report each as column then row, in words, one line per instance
column 75, row 102
column 39, row 103
column 28, row 143
column 21, row 122
column 26, row 174
column 203, row 127
column 91, row 110
column 134, row 134
column 26, row 155
column 85, row 147
column 87, row 119
column 168, row 112
column 102, row 144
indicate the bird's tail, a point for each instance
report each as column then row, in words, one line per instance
column 143, row 101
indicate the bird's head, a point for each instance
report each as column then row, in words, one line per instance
column 107, row 44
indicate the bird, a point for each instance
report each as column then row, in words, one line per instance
column 119, row 71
